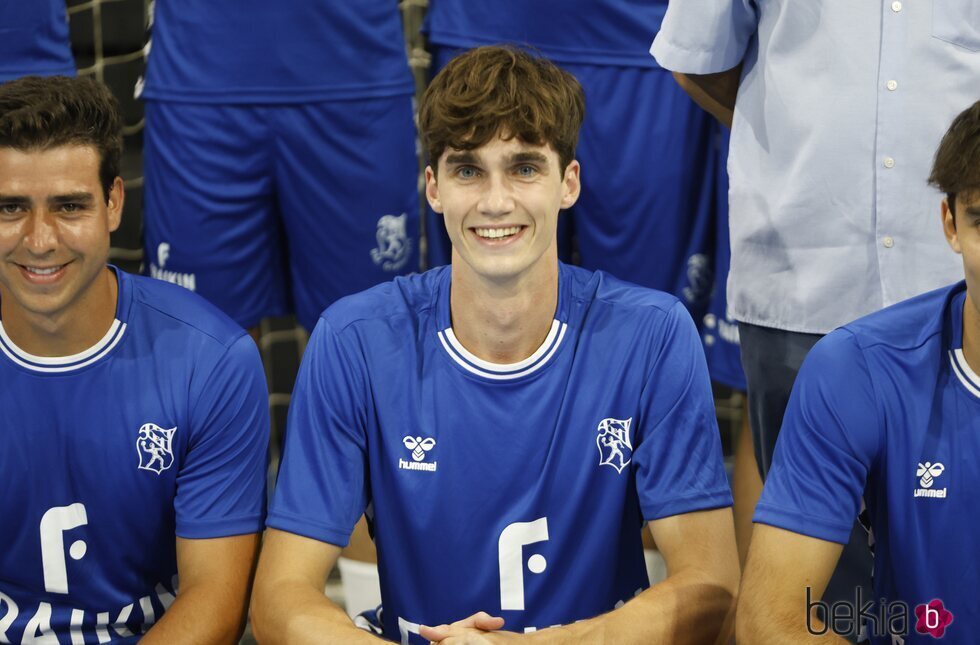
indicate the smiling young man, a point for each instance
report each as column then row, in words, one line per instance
column 133, row 415
column 508, row 422
column 885, row 415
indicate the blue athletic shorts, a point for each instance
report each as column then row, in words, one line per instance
column 719, row 330
column 273, row 209
column 645, row 213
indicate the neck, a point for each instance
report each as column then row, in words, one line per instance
column 503, row 321
column 67, row 332
column 971, row 332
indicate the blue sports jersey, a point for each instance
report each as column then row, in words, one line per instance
column 599, row 32
column 160, row 429
column 291, row 51
column 34, row 39
column 887, row 410
column 515, row 489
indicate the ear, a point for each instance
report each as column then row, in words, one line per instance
column 949, row 227
column 117, row 195
column 432, row 190
column 571, row 184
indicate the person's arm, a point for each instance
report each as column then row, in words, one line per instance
column 714, row 93
column 828, row 442
column 215, row 579
column 288, row 605
column 772, row 603
column 693, row 605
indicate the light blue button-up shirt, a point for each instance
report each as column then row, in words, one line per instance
column 841, row 106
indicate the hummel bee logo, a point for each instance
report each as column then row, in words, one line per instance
column 419, row 448
column 927, row 474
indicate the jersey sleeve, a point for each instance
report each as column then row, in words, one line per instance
column 677, row 460
column 827, row 444
column 221, row 484
column 705, row 36
column 322, row 486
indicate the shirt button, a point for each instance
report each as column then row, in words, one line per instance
column 896, row 6
column 892, row 85
column 888, row 242
column 889, row 162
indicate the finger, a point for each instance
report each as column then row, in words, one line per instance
column 486, row 622
column 436, row 633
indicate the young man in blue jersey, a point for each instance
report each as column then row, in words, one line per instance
column 133, row 415
column 508, row 422
column 885, row 415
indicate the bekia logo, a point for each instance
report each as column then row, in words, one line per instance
column 883, row 619
column 932, row 618
column 419, row 448
column 394, row 247
column 155, row 447
column 615, row 449
column 927, row 474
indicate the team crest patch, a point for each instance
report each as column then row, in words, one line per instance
column 614, row 444
column 155, row 447
column 394, row 247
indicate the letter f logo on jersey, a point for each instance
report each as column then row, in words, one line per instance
column 155, row 447
column 614, row 444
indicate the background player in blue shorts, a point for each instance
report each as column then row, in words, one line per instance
column 280, row 160
column 133, row 415
column 885, row 415
column 509, row 422
column 34, row 40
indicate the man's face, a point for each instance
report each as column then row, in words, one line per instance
column 500, row 203
column 54, row 228
column 963, row 236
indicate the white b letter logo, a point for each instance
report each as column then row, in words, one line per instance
column 54, row 523
column 510, row 554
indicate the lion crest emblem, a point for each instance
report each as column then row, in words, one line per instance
column 615, row 448
column 699, row 278
column 394, row 246
column 155, row 447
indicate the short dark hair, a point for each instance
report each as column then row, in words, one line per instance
column 501, row 90
column 38, row 113
column 956, row 168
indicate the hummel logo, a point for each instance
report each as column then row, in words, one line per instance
column 419, row 447
column 927, row 474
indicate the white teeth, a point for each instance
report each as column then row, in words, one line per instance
column 38, row 271
column 495, row 233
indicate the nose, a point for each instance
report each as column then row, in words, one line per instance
column 497, row 198
column 42, row 235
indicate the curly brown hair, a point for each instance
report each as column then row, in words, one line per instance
column 38, row 113
column 956, row 168
column 501, row 90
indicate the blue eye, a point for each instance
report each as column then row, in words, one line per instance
column 527, row 171
column 466, row 172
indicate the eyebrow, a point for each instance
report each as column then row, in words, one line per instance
column 973, row 211
column 70, row 197
column 14, row 199
column 458, row 158
column 522, row 157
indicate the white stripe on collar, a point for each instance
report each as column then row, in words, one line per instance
column 509, row 371
column 964, row 372
column 53, row 364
